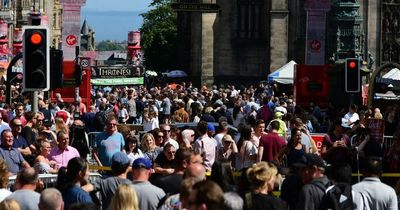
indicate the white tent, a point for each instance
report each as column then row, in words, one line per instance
column 393, row 74
column 284, row 74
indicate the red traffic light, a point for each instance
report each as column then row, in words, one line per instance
column 352, row 64
column 36, row 38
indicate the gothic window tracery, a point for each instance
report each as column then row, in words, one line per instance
column 250, row 19
column 390, row 29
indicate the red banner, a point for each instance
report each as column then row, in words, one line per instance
column 68, row 91
column 311, row 84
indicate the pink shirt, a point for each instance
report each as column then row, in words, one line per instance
column 63, row 156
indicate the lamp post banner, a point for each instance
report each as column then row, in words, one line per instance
column 71, row 27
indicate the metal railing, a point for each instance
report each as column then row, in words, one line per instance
column 49, row 180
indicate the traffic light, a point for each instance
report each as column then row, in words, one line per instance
column 56, row 69
column 352, row 75
column 36, row 58
column 78, row 75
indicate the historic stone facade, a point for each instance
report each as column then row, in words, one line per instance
column 248, row 39
column 16, row 13
column 244, row 40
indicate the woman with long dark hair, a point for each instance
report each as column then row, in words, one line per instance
column 221, row 173
column 132, row 147
column 70, row 181
column 248, row 149
column 294, row 150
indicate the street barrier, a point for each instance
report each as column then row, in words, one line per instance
column 49, row 180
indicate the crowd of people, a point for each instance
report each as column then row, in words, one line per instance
column 205, row 165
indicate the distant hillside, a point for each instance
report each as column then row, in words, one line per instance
column 112, row 25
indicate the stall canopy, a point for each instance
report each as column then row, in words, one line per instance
column 283, row 75
column 393, row 74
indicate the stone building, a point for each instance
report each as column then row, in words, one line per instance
column 87, row 37
column 16, row 14
column 247, row 39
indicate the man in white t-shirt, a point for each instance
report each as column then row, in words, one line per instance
column 223, row 130
column 351, row 117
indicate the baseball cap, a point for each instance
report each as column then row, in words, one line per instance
column 210, row 127
column 142, row 163
column 310, row 160
column 120, row 158
column 227, row 137
column 278, row 114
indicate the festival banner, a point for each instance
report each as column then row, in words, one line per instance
column 117, row 75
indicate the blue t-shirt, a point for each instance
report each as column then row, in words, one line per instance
column 13, row 158
column 75, row 194
column 108, row 145
column 20, row 142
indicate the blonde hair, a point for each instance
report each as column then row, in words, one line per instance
column 61, row 125
column 124, row 199
column 3, row 174
column 144, row 144
column 43, row 144
column 260, row 173
column 9, row 204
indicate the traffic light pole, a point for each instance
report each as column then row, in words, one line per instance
column 76, row 113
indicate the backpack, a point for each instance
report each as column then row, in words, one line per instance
column 338, row 197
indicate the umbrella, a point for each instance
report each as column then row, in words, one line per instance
column 151, row 73
column 176, row 74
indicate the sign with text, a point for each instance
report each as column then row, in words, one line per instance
column 117, row 75
column 195, row 7
column 377, row 129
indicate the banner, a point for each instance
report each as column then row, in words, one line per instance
column 311, row 84
column 117, row 75
column 118, row 81
column 377, row 128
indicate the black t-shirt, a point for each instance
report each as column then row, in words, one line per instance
column 264, row 202
column 29, row 135
column 163, row 161
column 170, row 183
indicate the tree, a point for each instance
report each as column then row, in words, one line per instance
column 109, row 45
column 159, row 36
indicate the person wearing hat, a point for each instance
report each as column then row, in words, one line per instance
column 312, row 169
column 210, row 130
column 149, row 196
column 120, row 167
column 205, row 146
column 282, row 125
column 229, row 149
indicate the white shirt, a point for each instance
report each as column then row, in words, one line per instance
column 350, row 118
column 4, row 193
column 4, row 126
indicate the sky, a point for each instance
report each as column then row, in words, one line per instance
column 112, row 19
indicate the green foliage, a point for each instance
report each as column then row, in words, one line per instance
column 109, row 45
column 159, row 36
